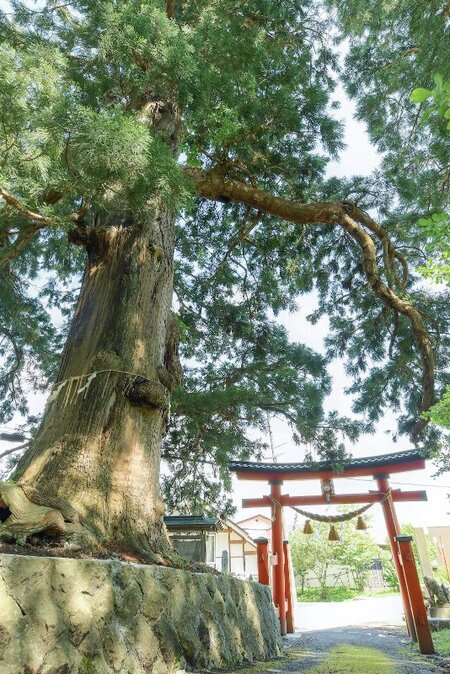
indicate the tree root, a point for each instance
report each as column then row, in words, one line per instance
column 28, row 513
column 31, row 512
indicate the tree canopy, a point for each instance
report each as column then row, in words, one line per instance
column 225, row 111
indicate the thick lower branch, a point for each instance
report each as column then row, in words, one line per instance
column 39, row 219
column 212, row 185
column 388, row 296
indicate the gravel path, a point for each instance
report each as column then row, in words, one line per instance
column 305, row 651
column 371, row 623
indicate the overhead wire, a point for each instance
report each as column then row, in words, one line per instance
column 402, row 484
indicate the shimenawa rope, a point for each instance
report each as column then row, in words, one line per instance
column 343, row 517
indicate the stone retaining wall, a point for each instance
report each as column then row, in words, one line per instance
column 72, row 616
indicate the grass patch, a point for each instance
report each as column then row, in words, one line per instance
column 346, row 659
column 330, row 594
column 441, row 641
column 312, row 594
column 384, row 592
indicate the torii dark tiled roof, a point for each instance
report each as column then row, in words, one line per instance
column 368, row 463
column 193, row 523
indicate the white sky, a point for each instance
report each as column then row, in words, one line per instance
column 358, row 158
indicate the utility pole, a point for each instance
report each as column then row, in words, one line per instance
column 272, row 448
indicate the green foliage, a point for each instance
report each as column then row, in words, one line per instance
column 333, row 594
column 437, row 227
column 439, row 100
column 439, row 414
column 437, row 231
column 357, row 553
column 393, row 46
column 389, row 573
column 90, row 92
column 441, row 641
column 314, row 555
column 101, row 104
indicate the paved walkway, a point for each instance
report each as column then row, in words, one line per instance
column 370, row 611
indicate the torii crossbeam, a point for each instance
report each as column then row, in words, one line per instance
column 379, row 468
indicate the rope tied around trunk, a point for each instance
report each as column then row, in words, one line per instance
column 73, row 384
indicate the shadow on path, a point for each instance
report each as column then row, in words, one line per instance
column 351, row 650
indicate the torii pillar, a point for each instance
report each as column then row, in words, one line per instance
column 393, row 530
column 279, row 585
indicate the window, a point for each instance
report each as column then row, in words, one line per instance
column 210, row 549
column 190, row 548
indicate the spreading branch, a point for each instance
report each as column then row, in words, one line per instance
column 362, row 229
column 37, row 220
column 14, row 449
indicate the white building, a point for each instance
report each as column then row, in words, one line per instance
column 219, row 543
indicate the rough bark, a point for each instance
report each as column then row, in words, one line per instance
column 98, row 446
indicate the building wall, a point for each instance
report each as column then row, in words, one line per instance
column 257, row 526
column 441, row 536
column 251, row 561
column 242, row 559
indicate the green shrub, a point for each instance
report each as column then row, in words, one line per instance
column 312, row 594
column 390, row 574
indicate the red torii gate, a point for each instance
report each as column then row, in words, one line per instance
column 377, row 467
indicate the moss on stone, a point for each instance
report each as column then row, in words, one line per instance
column 87, row 666
column 346, row 659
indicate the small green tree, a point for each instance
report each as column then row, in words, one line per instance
column 304, row 558
column 314, row 555
column 355, row 553
column 389, row 572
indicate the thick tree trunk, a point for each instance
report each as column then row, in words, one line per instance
column 98, row 446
